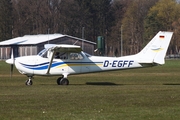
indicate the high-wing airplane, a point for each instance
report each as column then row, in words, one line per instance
column 64, row 60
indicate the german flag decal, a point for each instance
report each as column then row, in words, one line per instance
column 161, row 37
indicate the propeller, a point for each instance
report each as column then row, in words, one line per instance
column 11, row 62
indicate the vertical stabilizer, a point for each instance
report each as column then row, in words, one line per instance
column 155, row 50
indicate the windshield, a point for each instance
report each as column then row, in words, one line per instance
column 43, row 53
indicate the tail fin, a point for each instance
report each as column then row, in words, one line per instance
column 155, row 50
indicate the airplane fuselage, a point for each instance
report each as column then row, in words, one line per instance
column 37, row 65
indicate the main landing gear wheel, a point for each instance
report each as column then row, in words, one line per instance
column 29, row 81
column 62, row 81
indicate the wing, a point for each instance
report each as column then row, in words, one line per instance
column 68, row 48
column 63, row 48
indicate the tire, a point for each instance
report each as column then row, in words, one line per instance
column 64, row 81
column 58, row 80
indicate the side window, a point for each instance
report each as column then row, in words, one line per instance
column 76, row 56
column 61, row 55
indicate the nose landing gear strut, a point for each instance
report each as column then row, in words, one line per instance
column 29, row 81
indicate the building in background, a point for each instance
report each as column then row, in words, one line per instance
column 33, row 44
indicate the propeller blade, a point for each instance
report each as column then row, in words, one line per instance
column 11, row 61
column 12, row 66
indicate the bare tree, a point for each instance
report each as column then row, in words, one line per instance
column 133, row 24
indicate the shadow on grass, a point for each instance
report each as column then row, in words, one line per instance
column 89, row 83
column 100, row 83
column 171, row 84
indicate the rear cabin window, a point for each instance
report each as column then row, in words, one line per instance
column 76, row 56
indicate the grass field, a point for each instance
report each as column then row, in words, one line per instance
column 138, row 94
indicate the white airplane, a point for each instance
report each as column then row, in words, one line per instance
column 64, row 60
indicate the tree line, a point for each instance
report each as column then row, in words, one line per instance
column 133, row 21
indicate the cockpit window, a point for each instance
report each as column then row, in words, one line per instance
column 61, row 55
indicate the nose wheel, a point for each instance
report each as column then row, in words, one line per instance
column 29, row 81
column 62, row 81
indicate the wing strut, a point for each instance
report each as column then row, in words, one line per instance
column 50, row 63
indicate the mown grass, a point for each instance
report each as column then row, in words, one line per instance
column 137, row 94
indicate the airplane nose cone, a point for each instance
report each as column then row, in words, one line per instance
column 10, row 61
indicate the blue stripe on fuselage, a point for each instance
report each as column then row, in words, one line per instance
column 44, row 66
